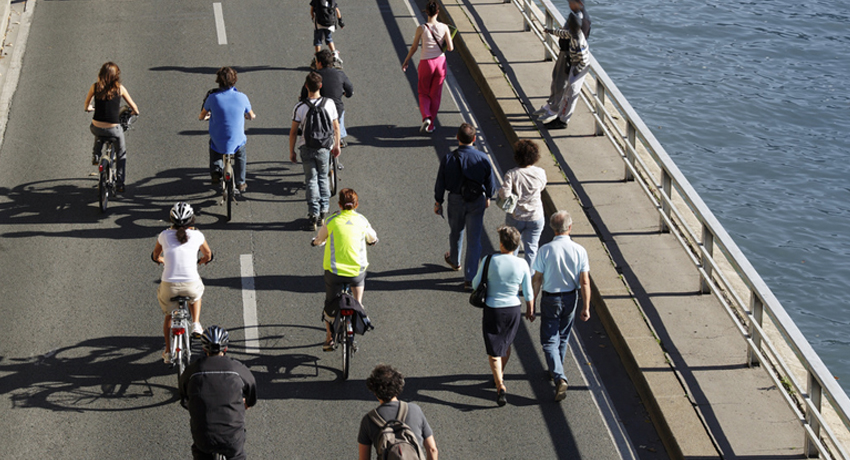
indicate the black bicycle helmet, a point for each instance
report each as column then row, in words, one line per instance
column 214, row 340
column 181, row 214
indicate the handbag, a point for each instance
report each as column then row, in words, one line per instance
column 479, row 296
column 507, row 204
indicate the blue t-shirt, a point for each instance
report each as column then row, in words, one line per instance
column 227, row 119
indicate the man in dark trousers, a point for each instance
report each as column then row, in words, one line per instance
column 335, row 84
column 466, row 173
column 217, row 391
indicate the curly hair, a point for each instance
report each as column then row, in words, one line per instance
column 526, row 152
column 509, row 237
column 385, row 382
column 226, row 77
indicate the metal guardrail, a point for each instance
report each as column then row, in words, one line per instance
column 662, row 181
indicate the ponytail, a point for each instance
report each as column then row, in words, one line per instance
column 348, row 199
column 181, row 235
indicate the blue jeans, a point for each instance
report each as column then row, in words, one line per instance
column 342, row 132
column 557, row 313
column 529, row 233
column 465, row 217
column 315, row 162
column 240, row 163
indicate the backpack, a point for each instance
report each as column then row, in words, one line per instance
column 325, row 13
column 318, row 127
column 396, row 440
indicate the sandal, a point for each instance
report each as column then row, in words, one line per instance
column 450, row 264
column 328, row 346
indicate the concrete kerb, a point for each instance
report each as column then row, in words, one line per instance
column 10, row 69
column 676, row 420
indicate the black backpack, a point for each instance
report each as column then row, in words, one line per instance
column 318, row 127
column 396, row 440
column 325, row 13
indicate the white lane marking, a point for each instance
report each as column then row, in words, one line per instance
column 219, row 24
column 249, row 304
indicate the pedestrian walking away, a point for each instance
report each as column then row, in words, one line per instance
column 315, row 131
column 560, row 270
column 506, row 275
column 526, row 182
column 217, row 391
column 390, row 426
column 227, row 109
column 104, row 99
column 335, row 85
column 435, row 39
column 579, row 66
column 326, row 16
column 467, row 175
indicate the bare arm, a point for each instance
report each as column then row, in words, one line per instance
column 250, row 115
column 293, row 135
column 430, row 448
column 89, row 107
column 584, row 281
column 536, row 283
column 413, row 48
column 364, row 451
column 129, row 100
column 335, row 149
column 157, row 254
column 205, row 115
column 206, row 253
column 322, row 236
column 450, row 46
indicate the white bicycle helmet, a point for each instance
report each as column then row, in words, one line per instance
column 181, row 214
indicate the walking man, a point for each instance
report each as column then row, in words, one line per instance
column 561, row 268
column 315, row 130
column 466, row 173
column 227, row 109
column 217, row 390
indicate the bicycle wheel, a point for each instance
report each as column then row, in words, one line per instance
column 183, row 355
column 103, row 186
column 333, row 179
column 228, row 191
column 346, row 350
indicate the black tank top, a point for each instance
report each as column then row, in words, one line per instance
column 107, row 110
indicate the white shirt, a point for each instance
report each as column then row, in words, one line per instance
column 526, row 184
column 301, row 110
column 181, row 260
column 433, row 37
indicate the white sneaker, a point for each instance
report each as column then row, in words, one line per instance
column 166, row 356
column 546, row 118
column 197, row 329
column 336, row 57
column 541, row 111
column 426, row 126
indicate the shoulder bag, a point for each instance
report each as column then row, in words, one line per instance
column 479, row 296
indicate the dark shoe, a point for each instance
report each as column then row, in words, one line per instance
column 119, row 188
column 311, row 223
column 328, row 346
column 556, row 124
column 467, row 286
column 450, row 264
column 501, row 398
column 321, row 219
column 561, row 390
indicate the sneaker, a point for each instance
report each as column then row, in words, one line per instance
column 556, row 124
column 197, row 329
column 95, row 160
column 430, row 129
column 501, row 397
column 343, row 144
column 561, row 390
column 311, row 223
column 321, row 219
column 426, row 123
column 242, row 187
column 548, row 117
column 336, row 57
column 541, row 111
column 166, row 356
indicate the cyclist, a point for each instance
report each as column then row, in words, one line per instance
column 177, row 248
column 107, row 93
column 227, row 109
column 345, row 257
column 217, row 390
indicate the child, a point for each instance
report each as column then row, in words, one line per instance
column 326, row 16
column 579, row 63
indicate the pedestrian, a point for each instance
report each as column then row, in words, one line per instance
column 526, row 182
column 560, row 73
column 217, row 390
column 466, row 173
column 315, row 130
column 435, row 38
column 104, row 99
column 326, row 16
column 386, row 384
column 506, row 275
column 560, row 269
column 335, row 85
column 227, row 109
column 579, row 66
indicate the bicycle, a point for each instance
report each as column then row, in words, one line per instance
column 334, row 166
column 106, row 165
column 228, row 185
column 343, row 335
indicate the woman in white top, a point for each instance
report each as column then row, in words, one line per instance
column 433, row 35
column 177, row 248
column 526, row 183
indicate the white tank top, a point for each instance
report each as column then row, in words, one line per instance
column 181, row 260
column 432, row 40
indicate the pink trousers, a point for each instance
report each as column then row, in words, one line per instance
column 432, row 74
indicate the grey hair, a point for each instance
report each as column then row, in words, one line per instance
column 561, row 222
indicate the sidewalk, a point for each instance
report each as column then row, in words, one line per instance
column 683, row 353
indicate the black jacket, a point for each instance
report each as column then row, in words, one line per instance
column 334, row 85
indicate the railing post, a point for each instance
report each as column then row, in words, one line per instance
column 631, row 137
column 666, row 191
column 757, row 307
column 815, row 392
column 708, row 253
column 547, row 39
column 526, row 10
column 600, row 105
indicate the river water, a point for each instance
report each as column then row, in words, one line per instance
column 751, row 99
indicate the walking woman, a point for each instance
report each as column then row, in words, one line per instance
column 502, row 312
column 526, row 182
column 435, row 38
column 107, row 93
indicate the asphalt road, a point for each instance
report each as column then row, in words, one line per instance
column 80, row 372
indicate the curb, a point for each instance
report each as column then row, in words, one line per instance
column 678, row 424
column 11, row 69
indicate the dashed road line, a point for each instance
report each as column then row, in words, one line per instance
column 219, row 24
column 249, row 304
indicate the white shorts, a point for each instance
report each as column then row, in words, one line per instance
column 166, row 290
